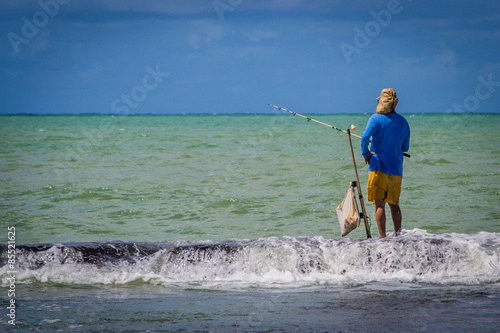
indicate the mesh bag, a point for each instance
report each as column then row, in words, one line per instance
column 348, row 213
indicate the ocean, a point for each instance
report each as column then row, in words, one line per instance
column 227, row 223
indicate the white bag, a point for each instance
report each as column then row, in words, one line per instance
column 347, row 213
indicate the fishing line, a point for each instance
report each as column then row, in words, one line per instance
column 324, row 124
column 363, row 214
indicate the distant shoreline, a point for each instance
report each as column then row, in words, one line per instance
column 217, row 114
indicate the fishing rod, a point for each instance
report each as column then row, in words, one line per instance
column 316, row 121
column 348, row 132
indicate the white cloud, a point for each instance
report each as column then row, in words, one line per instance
column 258, row 35
column 444, row 57
column 175, row 7
column 205, row 32
column 89, row 74
column 251, row 52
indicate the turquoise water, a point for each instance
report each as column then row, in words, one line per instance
column 169, row 178
column 161, row 217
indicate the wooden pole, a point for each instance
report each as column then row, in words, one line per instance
column 367, row 228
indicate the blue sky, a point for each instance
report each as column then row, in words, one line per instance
column 227, row 56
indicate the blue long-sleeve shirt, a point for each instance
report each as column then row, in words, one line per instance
column 390, row 135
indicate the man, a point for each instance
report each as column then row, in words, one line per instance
column 390, row 137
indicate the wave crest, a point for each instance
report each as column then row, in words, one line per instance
column 416, row 257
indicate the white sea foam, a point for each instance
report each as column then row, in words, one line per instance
column 416, row 257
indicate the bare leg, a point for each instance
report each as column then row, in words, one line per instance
column 380, row 216
column 397, row 218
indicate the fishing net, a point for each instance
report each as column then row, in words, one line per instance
column 348, row 212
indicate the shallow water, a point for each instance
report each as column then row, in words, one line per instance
column 373, row 307
column 227, row 223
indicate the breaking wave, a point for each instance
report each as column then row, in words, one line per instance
column 416, row 257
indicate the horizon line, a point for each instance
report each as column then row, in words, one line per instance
column 217, row 114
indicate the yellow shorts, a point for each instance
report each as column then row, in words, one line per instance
column 382, row 186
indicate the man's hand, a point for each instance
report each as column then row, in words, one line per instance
column 367, row 158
